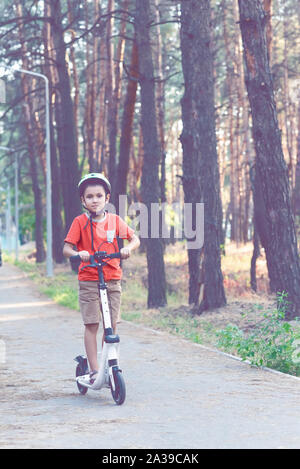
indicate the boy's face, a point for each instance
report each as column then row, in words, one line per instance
column 94, row 198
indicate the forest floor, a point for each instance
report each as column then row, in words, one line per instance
column 244, row 307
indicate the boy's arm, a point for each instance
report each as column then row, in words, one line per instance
column 69, row 251
column 134, row 243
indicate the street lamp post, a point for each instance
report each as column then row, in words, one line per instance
column 49, row 260
column 8, row 218
column 17, row 205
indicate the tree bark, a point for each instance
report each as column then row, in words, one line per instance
column 110, row 86
column 268, row 7
column 51, row 72
column 255, row 236
column 74, row 73
column 116, row 70
column 150, row 181
column 230, row 85
column 200, row 161
column 32, row 135
column 296, row 191
column 160, row 100
column 65, row 119
column 274, row 218
column 126, row 130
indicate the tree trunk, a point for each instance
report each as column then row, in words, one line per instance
column 57, row 222
column 110, row 86
column 230, row 84
column 255, row 239
column 34, row 173
column 200, row 161
column 32, row 135
column 296, row 191
column 65, row 119
column 150, row 181
column 255, row 255
column 113, row 116
column 274, row 218
column 238, row 122
column 90, row 94
column 267, row 4
column 160, row 100
column 74, row 73
column 126, row 130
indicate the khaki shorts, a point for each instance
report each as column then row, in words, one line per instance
column 90, row 305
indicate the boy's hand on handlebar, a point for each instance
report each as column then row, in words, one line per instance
column 125, row 253
column 84, row 255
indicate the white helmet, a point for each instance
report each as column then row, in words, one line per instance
column 95, row 177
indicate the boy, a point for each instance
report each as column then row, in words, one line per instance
column 91, row 232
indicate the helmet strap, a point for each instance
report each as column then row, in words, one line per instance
column 92, row 234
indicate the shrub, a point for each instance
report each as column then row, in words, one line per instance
column 273, row 342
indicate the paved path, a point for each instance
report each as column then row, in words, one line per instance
column 179, row 395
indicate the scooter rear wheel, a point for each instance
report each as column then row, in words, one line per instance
column 80, row 372
column 119, row 393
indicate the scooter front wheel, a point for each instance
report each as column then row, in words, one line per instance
column 119, row 393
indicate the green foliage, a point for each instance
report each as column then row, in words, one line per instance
column 272, row 343
column 63, row 295
column 61, row 288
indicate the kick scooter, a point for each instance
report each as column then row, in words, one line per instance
column 109, row 374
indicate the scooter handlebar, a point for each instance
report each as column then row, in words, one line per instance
column 101, row 254
column 114, row 255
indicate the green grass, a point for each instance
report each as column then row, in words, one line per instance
column 273, row 343
column 63, row 295
column 62, row 288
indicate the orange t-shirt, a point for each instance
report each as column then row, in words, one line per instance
column 105, row 234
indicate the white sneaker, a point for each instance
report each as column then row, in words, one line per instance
column 84, row 379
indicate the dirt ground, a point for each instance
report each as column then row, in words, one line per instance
column 244, row 307
column 179, row 395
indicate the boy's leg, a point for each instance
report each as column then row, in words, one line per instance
column 90, row 342
column 89, row 307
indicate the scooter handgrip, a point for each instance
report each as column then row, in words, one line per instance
column 115, row 255
column 75, row 258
